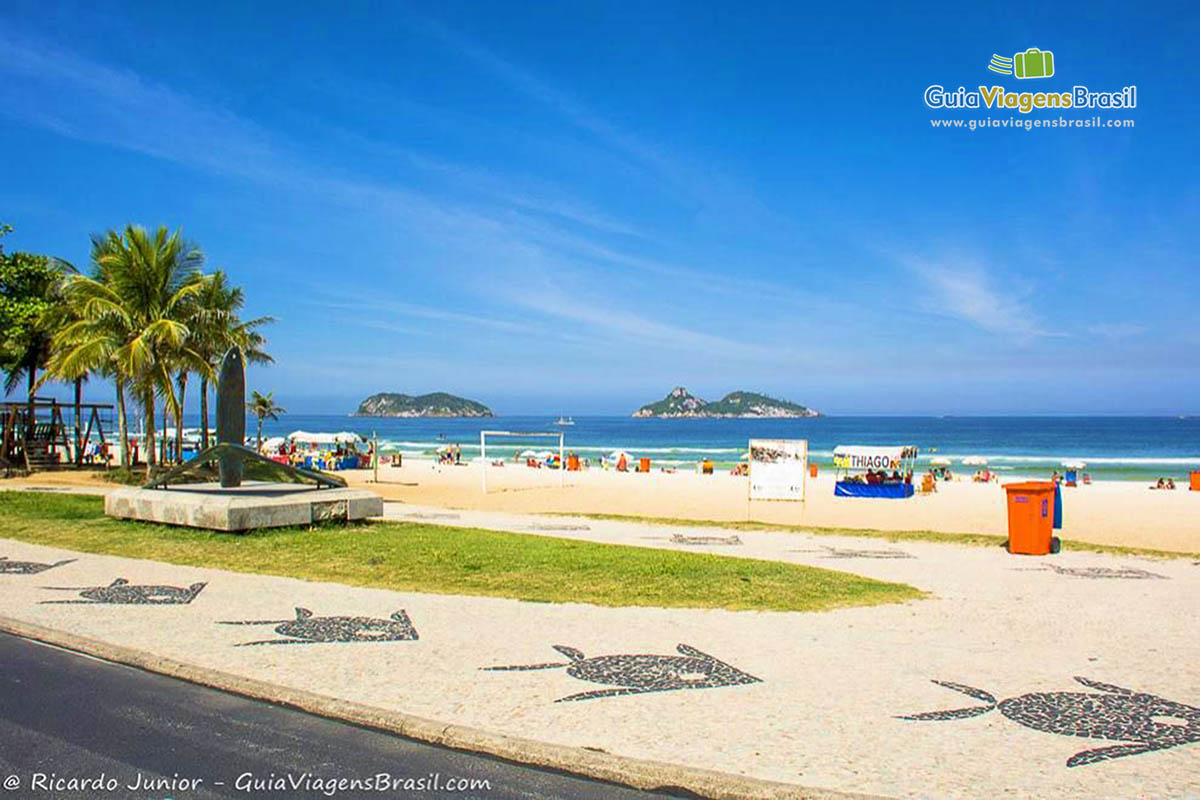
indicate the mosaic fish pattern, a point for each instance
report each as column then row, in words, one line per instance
column 27, row 567
column 122, row 592
column 1141, row 722
column 640, row 674
column 1107, row 573
column 846, row 552
column 308, row 629
column 679, row 538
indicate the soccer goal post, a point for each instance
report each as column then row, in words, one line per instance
column 485, row 463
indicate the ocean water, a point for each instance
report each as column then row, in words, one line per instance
column 1128, row 448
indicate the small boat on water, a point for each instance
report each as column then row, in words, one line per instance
column 564, row 421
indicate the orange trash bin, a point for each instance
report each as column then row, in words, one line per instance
column 1195, row 481
column 812, row 470
column 1030, row 517
column 643, row 465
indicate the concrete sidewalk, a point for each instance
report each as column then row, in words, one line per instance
column 811, row 700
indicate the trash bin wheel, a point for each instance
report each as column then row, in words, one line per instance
column 1055, row 545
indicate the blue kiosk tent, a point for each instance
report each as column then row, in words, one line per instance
column 866, row 471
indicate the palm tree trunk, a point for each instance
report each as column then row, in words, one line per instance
column 164, row 443
column 203, row 413
column 183, row 382
column 30, row 424
column 122, row 423
column 260, row 422
column 78, row 429
column 148, row 406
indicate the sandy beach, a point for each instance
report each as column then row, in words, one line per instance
column 1105, row 512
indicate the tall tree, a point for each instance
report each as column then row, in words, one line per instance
column 263, row 406
column 216, row 327
column 28, row 294
column 141, row 294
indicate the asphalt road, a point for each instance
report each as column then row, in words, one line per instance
column 67, row 717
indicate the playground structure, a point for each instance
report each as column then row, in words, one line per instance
column 47, row 434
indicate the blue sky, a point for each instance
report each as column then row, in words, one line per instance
column 575, row 207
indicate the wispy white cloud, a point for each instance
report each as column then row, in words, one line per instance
column 1116, row 330
column 962, row 287
column 391, row 309
column 610, row 321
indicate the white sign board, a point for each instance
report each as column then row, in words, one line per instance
column 778, row 468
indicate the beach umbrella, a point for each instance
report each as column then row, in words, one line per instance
column 975, row 461
column 940, row 461
column 527, row 454
column 1074, row 464
column 615, row 456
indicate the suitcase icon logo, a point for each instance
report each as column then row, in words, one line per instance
column 1033, row 63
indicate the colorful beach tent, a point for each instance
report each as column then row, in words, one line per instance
column 850, row 459
column 323, row 438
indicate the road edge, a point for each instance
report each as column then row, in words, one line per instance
column 598, row 765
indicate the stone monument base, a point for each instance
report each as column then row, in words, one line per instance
column 246, row 507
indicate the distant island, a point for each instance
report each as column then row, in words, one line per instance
column 434, row 404
column 682, row 403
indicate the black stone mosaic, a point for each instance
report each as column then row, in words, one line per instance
column 564, row 527
column 307, row 629
column 847, row 552
column 679, row 538
column 640, row 674
column 1107, row 573
column 122, row 592
column 1142, row 722
column 27, row 567
column 425, row 515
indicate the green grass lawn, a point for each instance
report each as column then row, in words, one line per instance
column 976, row 539
column 444, row 560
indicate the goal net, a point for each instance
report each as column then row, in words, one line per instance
column 500, row 450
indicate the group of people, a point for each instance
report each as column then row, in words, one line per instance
column 339, row 456
column 877, row 477
column 450, row 454
column 1164, row 483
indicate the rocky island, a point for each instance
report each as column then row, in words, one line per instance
column 434, row 404
column 744, row 405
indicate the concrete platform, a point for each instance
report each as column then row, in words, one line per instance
column 252, row 505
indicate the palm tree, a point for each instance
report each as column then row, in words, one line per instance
column 137, row 302
column 216, row 328
column 87, row 342
column 263, row 406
